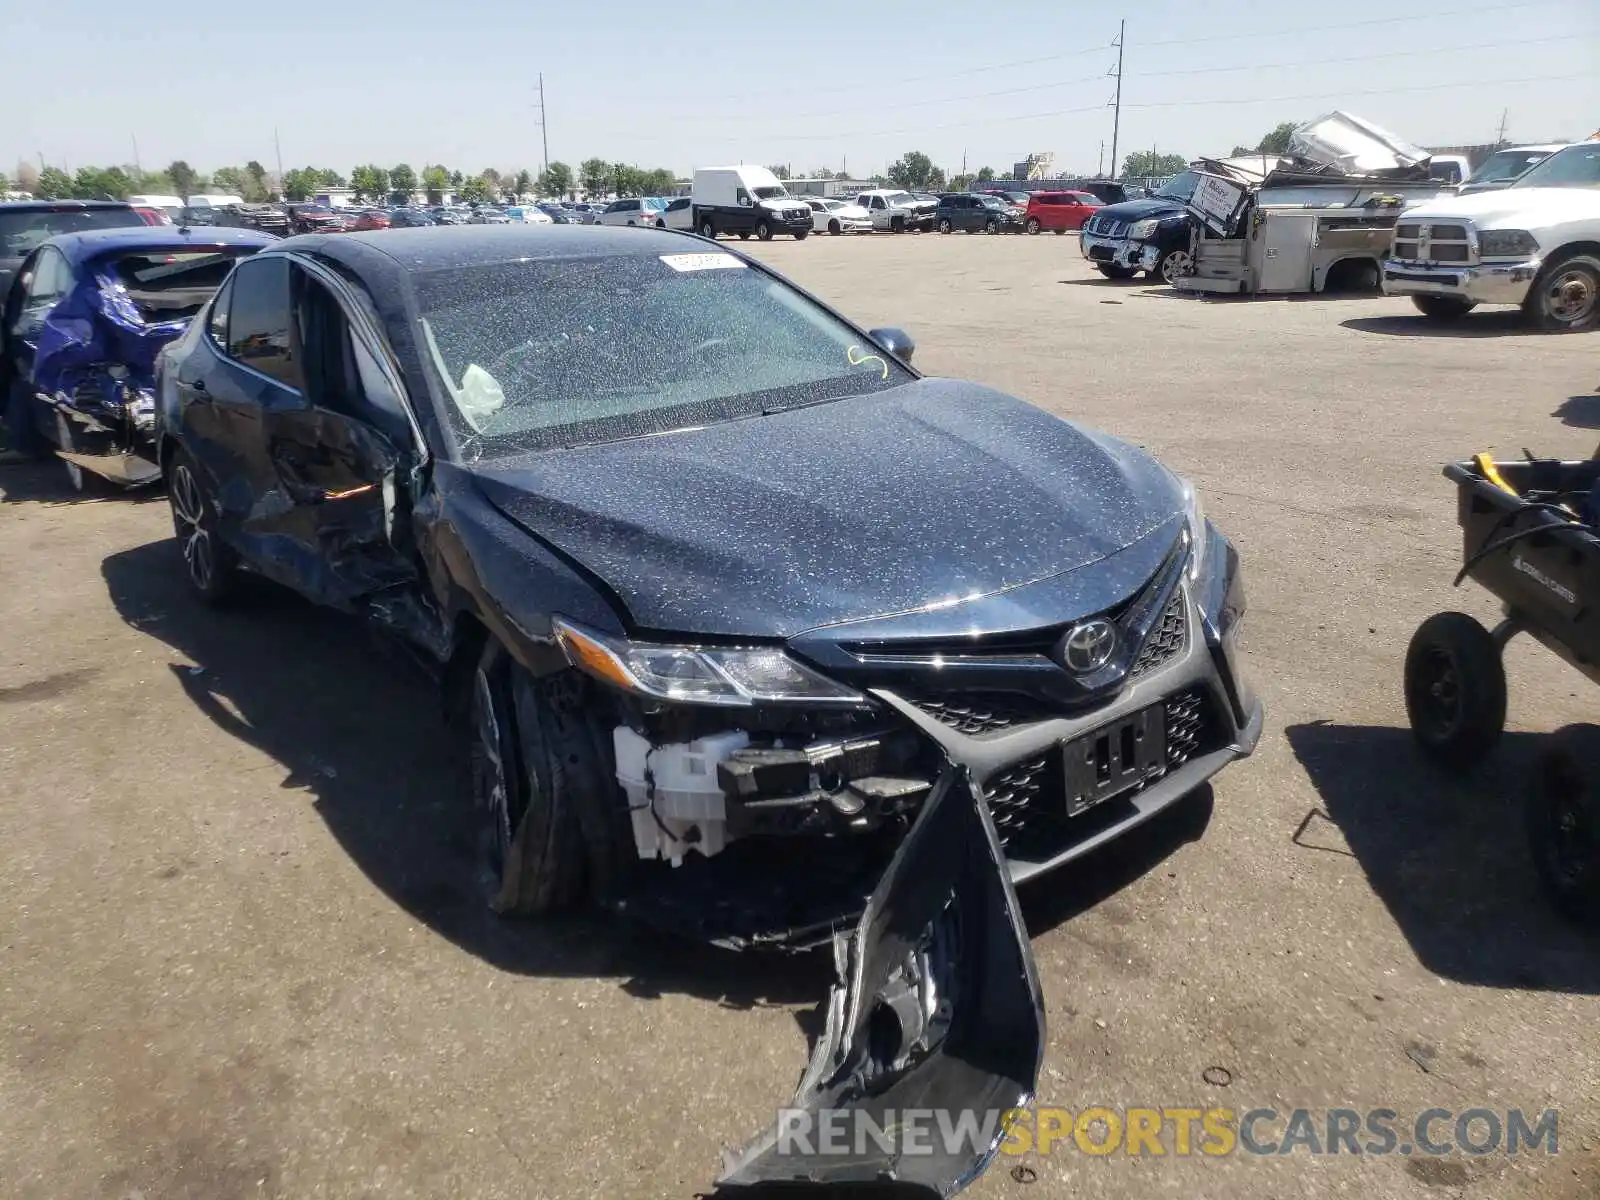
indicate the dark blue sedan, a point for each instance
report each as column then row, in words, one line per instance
column 83, row 322
column 753, row 631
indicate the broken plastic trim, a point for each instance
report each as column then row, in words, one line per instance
column 937, row 1007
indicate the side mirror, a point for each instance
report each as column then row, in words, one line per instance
column 896, row 341
column 744, row 201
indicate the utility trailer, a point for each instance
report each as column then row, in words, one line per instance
column 1293, row 233
column 1322, row 215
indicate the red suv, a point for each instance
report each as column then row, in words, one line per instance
column 1059, row 211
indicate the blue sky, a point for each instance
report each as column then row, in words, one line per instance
column 809, row 82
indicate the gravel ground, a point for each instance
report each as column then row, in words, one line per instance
column 243, row 952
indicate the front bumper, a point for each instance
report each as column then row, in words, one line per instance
column 1487, row 283
column 1112, row 251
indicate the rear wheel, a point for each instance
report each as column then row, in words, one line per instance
column 1033, row 227
column 1455, row 689
column 660, row 224
column 1563, row 823
column 764, row 231
column 210, row 565
column 833, row 228
column 1111, row 272
column 1443, row 308
column 708, row 228
column 1565, row 298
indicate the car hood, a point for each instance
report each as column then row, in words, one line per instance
column 1512, row 207
column 935, row 493
column 1140, row 210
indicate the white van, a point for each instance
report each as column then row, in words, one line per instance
column 746, row 199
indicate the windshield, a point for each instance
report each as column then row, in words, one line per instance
column 1507, row 164
column 563, row 352
column 1576, row 166
column 1180, row 187
column 770, row 193
column 655, row 202
column 173, row 285
column 22, row 232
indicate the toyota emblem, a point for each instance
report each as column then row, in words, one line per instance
column 1089, row 645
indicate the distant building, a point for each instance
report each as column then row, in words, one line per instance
column 827, row 187
column 1035, row 166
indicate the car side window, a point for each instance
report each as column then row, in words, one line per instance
column 217, row 326
column 259, row 320
column 52, row 279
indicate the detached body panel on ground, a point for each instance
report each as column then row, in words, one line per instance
column 715, row 669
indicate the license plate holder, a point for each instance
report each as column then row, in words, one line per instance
column 1101, row 253
column 1115, row 758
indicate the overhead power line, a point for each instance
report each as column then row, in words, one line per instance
column 1396, row 20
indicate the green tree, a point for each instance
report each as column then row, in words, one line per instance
column 328, row 177
column 1277, row 142
column 556, row 179
column 300, row 183
column 491, row 177
column 456, row 179
column 1147, row 164
column 1240, row 151
column 255, row 187
column 54, row 184
column 5, row 183
column 369, row 181
column 523, row 184
column 184, row 179
column 659, row 182
column 911, row 170
column 595, row 175
column 475, row 190
column 781, row 171
column 985, row 174
column 435, row 181
column 101, row 183
column 960, row 183
column 402, row 182
column 231, row 180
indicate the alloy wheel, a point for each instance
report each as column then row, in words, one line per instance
column 189, row 513
column 1175, row 265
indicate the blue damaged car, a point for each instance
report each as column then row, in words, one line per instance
column 83, row 322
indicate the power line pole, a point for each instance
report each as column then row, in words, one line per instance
column 544, row 130
column 137, row 165
column 1500, row 138
column 1116, row 118
column 278, row 146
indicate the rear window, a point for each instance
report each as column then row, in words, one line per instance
column 173, row 286
column 23, row 232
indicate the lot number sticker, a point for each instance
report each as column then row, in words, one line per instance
column 702, row 262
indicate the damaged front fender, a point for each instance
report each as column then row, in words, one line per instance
column 934, row 1030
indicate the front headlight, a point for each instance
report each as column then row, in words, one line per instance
column 697, row 674
column 1140, row 230
column 1506, row 243
column 1194, row 517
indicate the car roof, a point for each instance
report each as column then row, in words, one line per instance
column 443, row 247
column 61, row 205
column 91, row 243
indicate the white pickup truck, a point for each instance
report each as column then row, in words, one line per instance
column 1535, row 244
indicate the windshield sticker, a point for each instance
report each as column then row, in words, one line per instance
column 702, row 262
column 859, row 359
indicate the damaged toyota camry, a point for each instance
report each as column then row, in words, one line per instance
column 755, row 631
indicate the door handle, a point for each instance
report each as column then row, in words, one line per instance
column 198, row 385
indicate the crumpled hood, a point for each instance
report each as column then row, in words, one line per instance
column 934, row 492
column 1511, row 208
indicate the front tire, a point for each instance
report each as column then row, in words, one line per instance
column 1173, row 265
column 801, row 235
column 1562, row 819
column 1565, row 298
column 1111, row 272
column 1443, row 308
column 945, row 226
column 833, row 228
column 1455, row 689
column 898, row 225
column 210, row 565
column 1033, row 227
column 537, row 767
column 763, row 231
column 991, row 227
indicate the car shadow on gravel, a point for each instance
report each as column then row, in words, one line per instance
column 1446, row 855
column 358, row 728
column 1507, row 323
column 1580, row 412
column 46, row 482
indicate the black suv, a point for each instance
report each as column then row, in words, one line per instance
column 1143, row 235
column 24, row 224
column 973, row 213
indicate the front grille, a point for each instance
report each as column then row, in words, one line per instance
column 1109, row 226
column 974, row 713
column 1166, row 639
column 1187, row 726
column 1013, row 796
column 1433, row 243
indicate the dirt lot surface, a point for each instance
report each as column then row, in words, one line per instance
column 243, row 951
